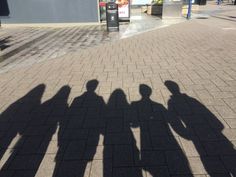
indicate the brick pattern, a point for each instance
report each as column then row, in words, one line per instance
column 66, row 131
column 26, row 46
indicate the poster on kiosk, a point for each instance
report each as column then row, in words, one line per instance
column 124, row 9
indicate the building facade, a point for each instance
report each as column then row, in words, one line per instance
column 49, row 11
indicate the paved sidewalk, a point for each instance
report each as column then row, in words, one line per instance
column 28, row 45
column 22, row 46
column 115, row 110
column 225, row 11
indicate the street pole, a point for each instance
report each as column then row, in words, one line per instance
column 189, row 9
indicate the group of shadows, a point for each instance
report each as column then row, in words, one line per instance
column 80, row 126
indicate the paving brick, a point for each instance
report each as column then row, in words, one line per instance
column 225, row 112
column 129, row 172
column 177, row 162
column 231, row 122
column 151, row 159
column 192, row 147
column 73, row 168
column 157, row 171
column 75, row 150
column 123, row 156
column 117, row 140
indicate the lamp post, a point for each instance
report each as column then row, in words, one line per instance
column 189, row 9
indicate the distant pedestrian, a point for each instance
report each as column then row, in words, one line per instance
column 219, row 2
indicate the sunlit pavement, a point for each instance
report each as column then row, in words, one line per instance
column 160, row 103
column 22, row 46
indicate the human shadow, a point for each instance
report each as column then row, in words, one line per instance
column 192, row 121
column 4, row 8
column 78, row 142
column 161, row 154
column 119, row 139
column 41, row 124
column 143, row 135
column 3, row 43
column 14, row 121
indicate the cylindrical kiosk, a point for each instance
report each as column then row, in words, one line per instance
column 112, row 16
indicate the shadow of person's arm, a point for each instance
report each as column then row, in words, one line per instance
column 177, row 125
column 133, row 117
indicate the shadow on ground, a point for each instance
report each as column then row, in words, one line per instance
column 3, row 43
column 137, row 138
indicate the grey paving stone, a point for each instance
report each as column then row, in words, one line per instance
column 151, row 159
column 129, row 141
column 129, row 172
column 74, row 168
column 24, row 173
column 177, row 162
column 157, row 171
column 165, row 143
column 213, row 165
column 229, row 162
column 7, row 173
column 118, row 138
column 123, row 156
column 25, row 162
column 75, row 150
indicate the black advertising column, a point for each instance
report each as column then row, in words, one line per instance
column 112, row 16
column 4, row 9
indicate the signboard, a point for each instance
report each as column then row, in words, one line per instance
column 102, row 7
column 123, row 9
column 172, row 9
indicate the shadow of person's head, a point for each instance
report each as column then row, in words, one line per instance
column 173, row 87
column 35, row 94
column 64, row 92
column 118, row 99
column 92, row 85
column 145, row 91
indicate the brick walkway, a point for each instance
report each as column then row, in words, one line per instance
column 137, row 122
column 22, row 46
column 26, row 46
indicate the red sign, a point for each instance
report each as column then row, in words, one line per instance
column 123, row 8
column 102, row 4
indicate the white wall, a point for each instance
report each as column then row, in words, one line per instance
column 141, row 2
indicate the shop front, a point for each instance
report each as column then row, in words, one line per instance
column 81, row 11
column 123, row 8
column 50, row 11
